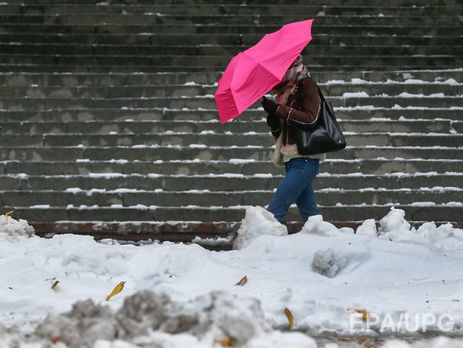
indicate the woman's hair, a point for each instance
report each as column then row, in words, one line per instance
column 294, row 73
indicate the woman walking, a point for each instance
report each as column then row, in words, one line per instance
column 297, row 104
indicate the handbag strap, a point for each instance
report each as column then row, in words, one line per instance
column 322, row 97
column 327, row 104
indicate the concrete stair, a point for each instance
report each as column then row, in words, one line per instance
column 110, row 127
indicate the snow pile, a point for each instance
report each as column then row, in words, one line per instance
column 387, row 269
column 257, row 222
column 368, row 228
column 316, row 225
column 328, row 262
column 12, row 228
column 154, row 319
column 396, row 228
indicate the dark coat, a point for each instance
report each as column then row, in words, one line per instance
column 302, row 108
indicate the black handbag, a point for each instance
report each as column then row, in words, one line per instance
column 327, row 136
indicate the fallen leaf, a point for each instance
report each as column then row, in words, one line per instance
column 55, row 339
column 8, row 214
column 54, row 285
column 10, row 287
column 290, row 317
column 242, row 281
column 226, row 342
column 365, row 314
column 116, row 290
column 3, row 84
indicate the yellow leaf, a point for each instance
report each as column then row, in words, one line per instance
column 365, row 314
column 226, row 342
column 242, row 281
column 54, row 285
column 116, row 290
column 3, row 84
column 8, row 214
column 290, row 317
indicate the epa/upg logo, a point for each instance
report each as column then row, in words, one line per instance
column 400, row 322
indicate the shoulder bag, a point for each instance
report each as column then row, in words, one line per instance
column 327, row 136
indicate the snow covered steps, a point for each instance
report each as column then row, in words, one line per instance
column 110, row 127
column 125, row 175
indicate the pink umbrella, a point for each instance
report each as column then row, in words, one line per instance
column 252, row 73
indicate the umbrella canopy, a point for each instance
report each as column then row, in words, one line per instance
column 252, row 73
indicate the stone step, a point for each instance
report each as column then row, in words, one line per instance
column 258, row 139
column 208, row 102
column 210, row 235
column 65, row 79
column 10, row 15
column 211, row 77
column 140, row 24
column 216, row 236
column 159, row 114
column 40, row 5
column 340, row 213
column 203, row 152
column 124, row 68
column 127, row 7
column 249, row 127
column 234, row 166
column 225, row 40
column 158, row 10
column 219, row 60
column 245, row 40
column 225, row 181
column 142, row 69
column 393, row 3
column 134, row 35
column 377, row 196
column 209, row 50
column 192, row 90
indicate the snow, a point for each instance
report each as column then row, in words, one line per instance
column 241, row 161
column 355, row 95
column 10, row 227
column 408, row 81
column 328, row 263
column 257, row 222
column 107, row 175
column 40, row 206
column 177, row 294
column 420, row 95
column 73, row 189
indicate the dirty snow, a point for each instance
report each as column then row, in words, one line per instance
column 179, row 295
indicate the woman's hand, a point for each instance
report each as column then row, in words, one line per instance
column 269, row 106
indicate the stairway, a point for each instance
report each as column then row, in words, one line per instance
column 110, row 127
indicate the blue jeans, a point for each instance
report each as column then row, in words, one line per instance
column 296, row 187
